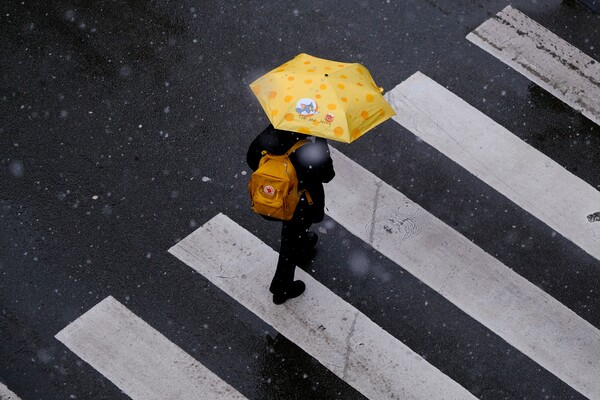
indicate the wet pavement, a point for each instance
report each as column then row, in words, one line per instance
column 124, row 127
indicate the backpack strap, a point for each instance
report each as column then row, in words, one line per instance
column 296, row 146
column 308, row 196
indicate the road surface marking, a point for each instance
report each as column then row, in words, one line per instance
column 515, row 309
column 329, row 329
column 138, row 359
column 6, row 394
column 493, row 154
column 544, row 58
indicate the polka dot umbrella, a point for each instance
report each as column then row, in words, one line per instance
column 329, row 99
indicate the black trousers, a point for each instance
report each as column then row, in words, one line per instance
column 293, row 241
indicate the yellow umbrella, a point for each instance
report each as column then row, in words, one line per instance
column 329, row 99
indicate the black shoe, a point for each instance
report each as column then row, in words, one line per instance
column 294, row 290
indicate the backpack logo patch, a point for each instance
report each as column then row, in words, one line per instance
column 269, row 190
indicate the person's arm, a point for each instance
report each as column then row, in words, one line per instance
column 326, row 171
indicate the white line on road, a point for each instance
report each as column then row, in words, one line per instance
column 138, row 359
column 6, row 394
column 332, row 331
column 493, row 154
column 518, row 311
column 544, row 58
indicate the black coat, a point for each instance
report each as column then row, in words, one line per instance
column 312, row 162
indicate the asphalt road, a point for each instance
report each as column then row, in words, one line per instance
column 124, row 127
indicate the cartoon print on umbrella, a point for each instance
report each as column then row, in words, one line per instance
column 307, row 107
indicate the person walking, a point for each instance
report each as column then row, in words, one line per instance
column 314, row 167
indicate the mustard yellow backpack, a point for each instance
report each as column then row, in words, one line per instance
column 273, row 186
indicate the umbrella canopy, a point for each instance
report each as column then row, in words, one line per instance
column 329, row 99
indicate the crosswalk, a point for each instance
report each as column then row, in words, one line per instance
column 6, row 394
column 342, row 338
column 487, row 290
column 145, row 364
column 512, row 167
column 138, row 359
column 544, row 58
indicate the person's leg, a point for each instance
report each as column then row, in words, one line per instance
column 303, row 217
column 293, row 240
column 284, row 274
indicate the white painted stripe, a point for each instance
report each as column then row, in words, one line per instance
column 544, row 58
column 332, row 331
column 6, row 394
column 518, row 311
column 521, row 173
column 138, row 359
